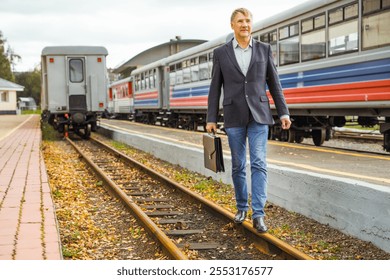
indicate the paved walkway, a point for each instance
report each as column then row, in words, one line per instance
column 28, row 228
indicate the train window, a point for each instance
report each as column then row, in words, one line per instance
column 151, row 79
column 142, row 81
column 172, row 78
column 351, row 11
column 179, row 77
column 195, row 73
column 210, row 69
column 283, row 33
column 76, row 70
column 313, row 45
column 371, row 6
column 289, row 44
column 273, row 36
column 178, row 66
column 187, row 75
column 202, row 58
column 294, row 29
column 274, row 54
column 288, row 31
column 154, row 78
column 312, row 23
column 147, row 81
column 194, row 61
column 313, row 38
column 343, row 30
column 270, row 38
column 375, row 24
column 343, row 38
column 336, row 16
column 307, row 25
column 264, row 38
column 203, row 71
column 289, row 51
column 137, row 83
column 343, row 13
column 172, row 68
column 319, row 21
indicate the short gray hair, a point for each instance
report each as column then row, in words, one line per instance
column 243, row 11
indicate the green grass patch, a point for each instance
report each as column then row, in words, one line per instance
column 31, row 112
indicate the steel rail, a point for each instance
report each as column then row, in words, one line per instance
column 265, row 242
column 358, row 136
column 168, row 246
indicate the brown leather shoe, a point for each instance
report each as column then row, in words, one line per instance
column 240, row 216
column 259, row 225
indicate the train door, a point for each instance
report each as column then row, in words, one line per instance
column 163, row 90
column 116, row 100
column 76, row 84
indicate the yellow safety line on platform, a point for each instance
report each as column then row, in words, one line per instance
column 298, row 165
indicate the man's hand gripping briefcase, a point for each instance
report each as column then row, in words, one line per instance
column 213, row 154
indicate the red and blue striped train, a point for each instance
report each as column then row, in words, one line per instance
column 333, row 58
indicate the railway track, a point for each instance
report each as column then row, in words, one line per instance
column 185, row 224
column 358, row 135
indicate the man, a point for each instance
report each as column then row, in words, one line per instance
column 243, row 67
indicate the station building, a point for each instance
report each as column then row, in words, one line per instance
column 8, row 97
column 153, row 54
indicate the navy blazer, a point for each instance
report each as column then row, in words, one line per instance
column 245, row 94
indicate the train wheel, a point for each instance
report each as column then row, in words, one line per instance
column 287, row 136
column 319, row 136
column 299, row 138
column 271, row 133
column 291, row 135
column 328, row 134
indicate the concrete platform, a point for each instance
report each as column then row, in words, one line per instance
column 350, row 192
column 28, row 226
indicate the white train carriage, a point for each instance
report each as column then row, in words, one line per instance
column 74, row 87
column 121, row 99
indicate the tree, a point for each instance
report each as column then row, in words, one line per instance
column 13, row 58
column 5, row 66
column 32, row 84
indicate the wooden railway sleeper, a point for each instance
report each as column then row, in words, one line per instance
column 268, row 244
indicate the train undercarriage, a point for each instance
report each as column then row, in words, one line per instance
column 181, row 120
column 80, row 123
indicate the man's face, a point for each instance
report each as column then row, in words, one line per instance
column 242, row 25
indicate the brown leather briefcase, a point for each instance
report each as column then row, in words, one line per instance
column 213, row 153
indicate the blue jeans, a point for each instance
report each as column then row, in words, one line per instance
column 257, row 135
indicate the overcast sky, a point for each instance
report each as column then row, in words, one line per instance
column 124, row 27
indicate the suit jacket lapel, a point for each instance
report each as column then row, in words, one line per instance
column 232, row 56
column 254, row 49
